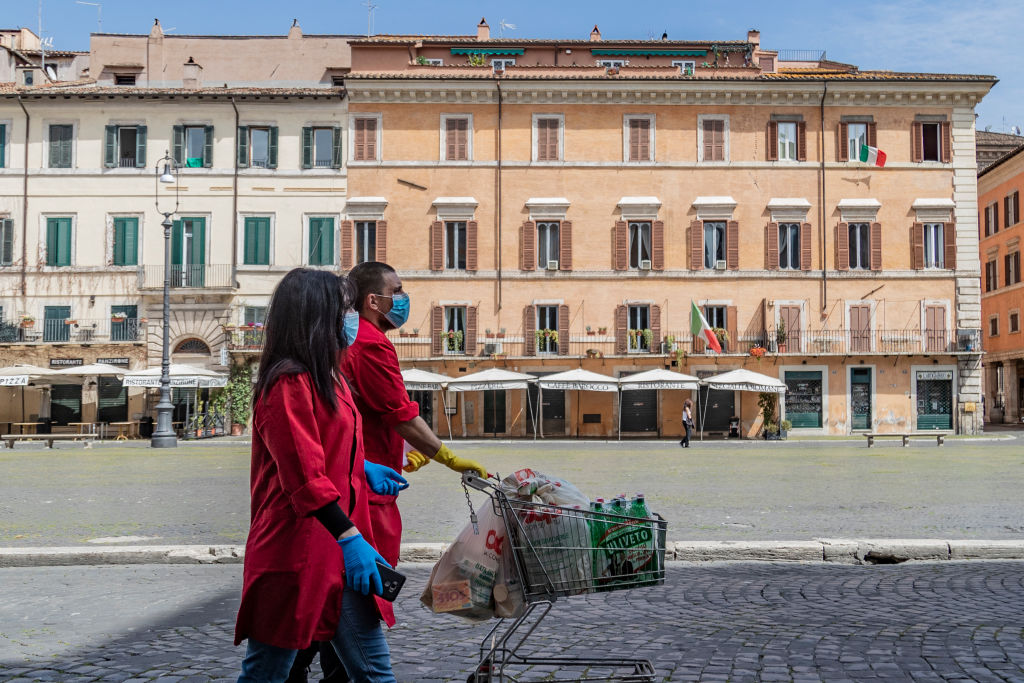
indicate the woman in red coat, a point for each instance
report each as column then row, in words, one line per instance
column 310, row 565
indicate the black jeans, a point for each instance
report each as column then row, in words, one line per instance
column 685, row 443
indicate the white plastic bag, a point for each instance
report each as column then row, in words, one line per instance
column 527, row 483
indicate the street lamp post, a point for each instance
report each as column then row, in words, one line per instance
column 164, row 436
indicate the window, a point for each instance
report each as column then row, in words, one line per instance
column 429, row 61
column 1012, row 268
column 934, row 245
column 547, row 132
column 321, row 241
column 993, row 326
column 991, row 275
column 125, row 147
column 860, row 246
column 685, row 67
column 611, row 63
column 29, row 77
column 62, row 145
column 455, row 245
column 257, row 146
column 124, row 79
column 991, row 219
column 716, row 316
column 126, row 241
column 58, row 241
column 639, row 245
column 639, row 322
column 254, row 315
column 548, row 248
column 454, row 329
column 364, row 148
column 789, row 246
column 124, row 323
column 931, row 142
column 713, row 132
column 6, row 241
column 639, row 138
column 338, row 81
column 457, row 143
column 501, row 64
column 856, row 137
column 547, row 322
column 714, row 243
column 366, row 241
column 321, row 147
column 55, row 327
column 787, row 140
column 1011, row 209
column 256, row 241
column 193, row 146
column 1014, row 322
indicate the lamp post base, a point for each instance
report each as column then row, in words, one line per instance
column 164, row 441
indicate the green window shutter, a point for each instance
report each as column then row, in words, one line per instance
column 110, row 147
column 3, row 145
column 263, row 242
column 257, row 242
column 58, row 241
column 199, row 241
column 314, row 241
column 177, row 233
column 272, row 149
column 208, row 147
column 55, row 134
column 179, row 146
column 307, row 147
column 141, row 135
column 6, row 242
column 243, row 146
column 321, row 241
column 126, row 239
column 118, row 242
column 51, row 241
column 64, row 254
column 67, row 140
column 336, row 148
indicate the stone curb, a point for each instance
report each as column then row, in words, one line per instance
column 839, row 551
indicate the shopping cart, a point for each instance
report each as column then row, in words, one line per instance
column 553, row 555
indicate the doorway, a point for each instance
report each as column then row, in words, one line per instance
column 425, row 399
column 860, row 398
column 494, row 412
column 113, row 400
column 716, row 407
column 188, row 252
column 66, row 403
column 640, row 410
column 553, row 408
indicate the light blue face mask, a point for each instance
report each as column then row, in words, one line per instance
column 351, row 327
column 399, row 313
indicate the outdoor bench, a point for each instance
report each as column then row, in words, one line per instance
column 9, row 439
column 940, row 437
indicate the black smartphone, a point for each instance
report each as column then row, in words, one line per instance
column 391, row 580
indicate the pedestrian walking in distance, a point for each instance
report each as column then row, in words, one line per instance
column 687, row 423
column 310, row 569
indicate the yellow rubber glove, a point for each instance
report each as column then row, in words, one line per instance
column 452, row 461
column 415, row 460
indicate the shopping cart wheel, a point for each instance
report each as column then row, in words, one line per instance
column 482, row 674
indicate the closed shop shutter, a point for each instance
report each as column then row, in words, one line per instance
column 113, row 400
column 66, row 403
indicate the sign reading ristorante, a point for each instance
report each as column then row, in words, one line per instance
column 66, row 362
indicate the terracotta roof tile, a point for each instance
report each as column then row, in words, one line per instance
column 88, row 88
column 592, row 73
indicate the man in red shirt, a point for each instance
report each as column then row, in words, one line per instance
column 389, row 416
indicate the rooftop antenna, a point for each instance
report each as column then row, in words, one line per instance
column 99, row 13
column 369, row 17
column 502, row 25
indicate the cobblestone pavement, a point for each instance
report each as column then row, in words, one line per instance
column 710, row 622
column 714, row 491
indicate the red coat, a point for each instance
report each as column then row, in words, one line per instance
column 371, row 367
column 303, row 458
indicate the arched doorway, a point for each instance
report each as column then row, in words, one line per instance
column 188, row 401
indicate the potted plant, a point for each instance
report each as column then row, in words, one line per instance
column 27, row 321
column 118, row 317
column 415, row 331
column 766, row 402
column 648, row 336
column 784, row 428
column 501, row 333
column 455, row 338
column 236, row 398
column 780, row 336
column 590, row 331
column 723, row 336
column 634, row 335
column 553, row 336
column 771, row 431
column 422, row 61
column 602, row 331
column 490, row 335
column 758, row 351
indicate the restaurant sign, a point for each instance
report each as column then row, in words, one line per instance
column 66, row 362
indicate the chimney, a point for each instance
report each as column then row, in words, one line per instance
column 595, row 35
column 295, row 31
column 191, row 75
column 157, row 31
column 483, row 31
column 754, row 38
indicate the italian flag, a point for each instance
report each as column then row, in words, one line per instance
column 872, row 155
column 699, row 327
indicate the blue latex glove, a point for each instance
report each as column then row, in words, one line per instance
column 384, row 480
column 361, row 565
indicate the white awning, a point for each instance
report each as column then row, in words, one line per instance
column 19, row 375
column 181, row 376
column 90, row 369
column 490, row 380
column 745, row 380
column 658, row 378
column 579, row 380
column 421, row 380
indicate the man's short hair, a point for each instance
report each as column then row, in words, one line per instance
column 368, row 278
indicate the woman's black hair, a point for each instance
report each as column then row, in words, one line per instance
column 304, row 331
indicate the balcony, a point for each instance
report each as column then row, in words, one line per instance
column 75, row 331
column 244, row 338
column 188, row 277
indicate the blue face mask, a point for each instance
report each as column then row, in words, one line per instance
column 399, row 313
column 351, row 327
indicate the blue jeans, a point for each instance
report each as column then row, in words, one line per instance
column 359, row 642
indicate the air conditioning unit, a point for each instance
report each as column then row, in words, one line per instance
column 552, row 265
column 645, row 264
column 492, row 348
column 720, row 265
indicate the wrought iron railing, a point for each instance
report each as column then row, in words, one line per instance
column 74, row 331
column 188, row 276
column 244, row 337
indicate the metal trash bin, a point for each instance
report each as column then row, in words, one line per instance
column 146, row 427
column 734, row 427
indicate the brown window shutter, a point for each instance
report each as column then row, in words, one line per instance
column 449, row 139
column 437, row 245
column 773, row 141
column 949, row 237
column 771, row 246
column 621, row 256
column 872, row 130
column 563, row 330
column 843, row 246
column 995, row 217
column 370, row 142
column 527, row 240
column 382, row 241
column 917, row 246
column 565, row 246
column 658, row 245
column 470, row 331
column 805, row 246
column 876, row 246
column 1006, row 211
column 844, row 142
column 801, row 141
column 710, row 128
column 696, row 245
column 529, row 328
column 1016, row 206
column 358, row 145
column 947, row 142
column 436, row 330
column 634, row 140
column 988, row 226
column 644, row 140
column 471, row 229
column 732, row 245
column 730, row 326
column 916, row 141
column 655, row 329
column 621, row 336
column 346, row 245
